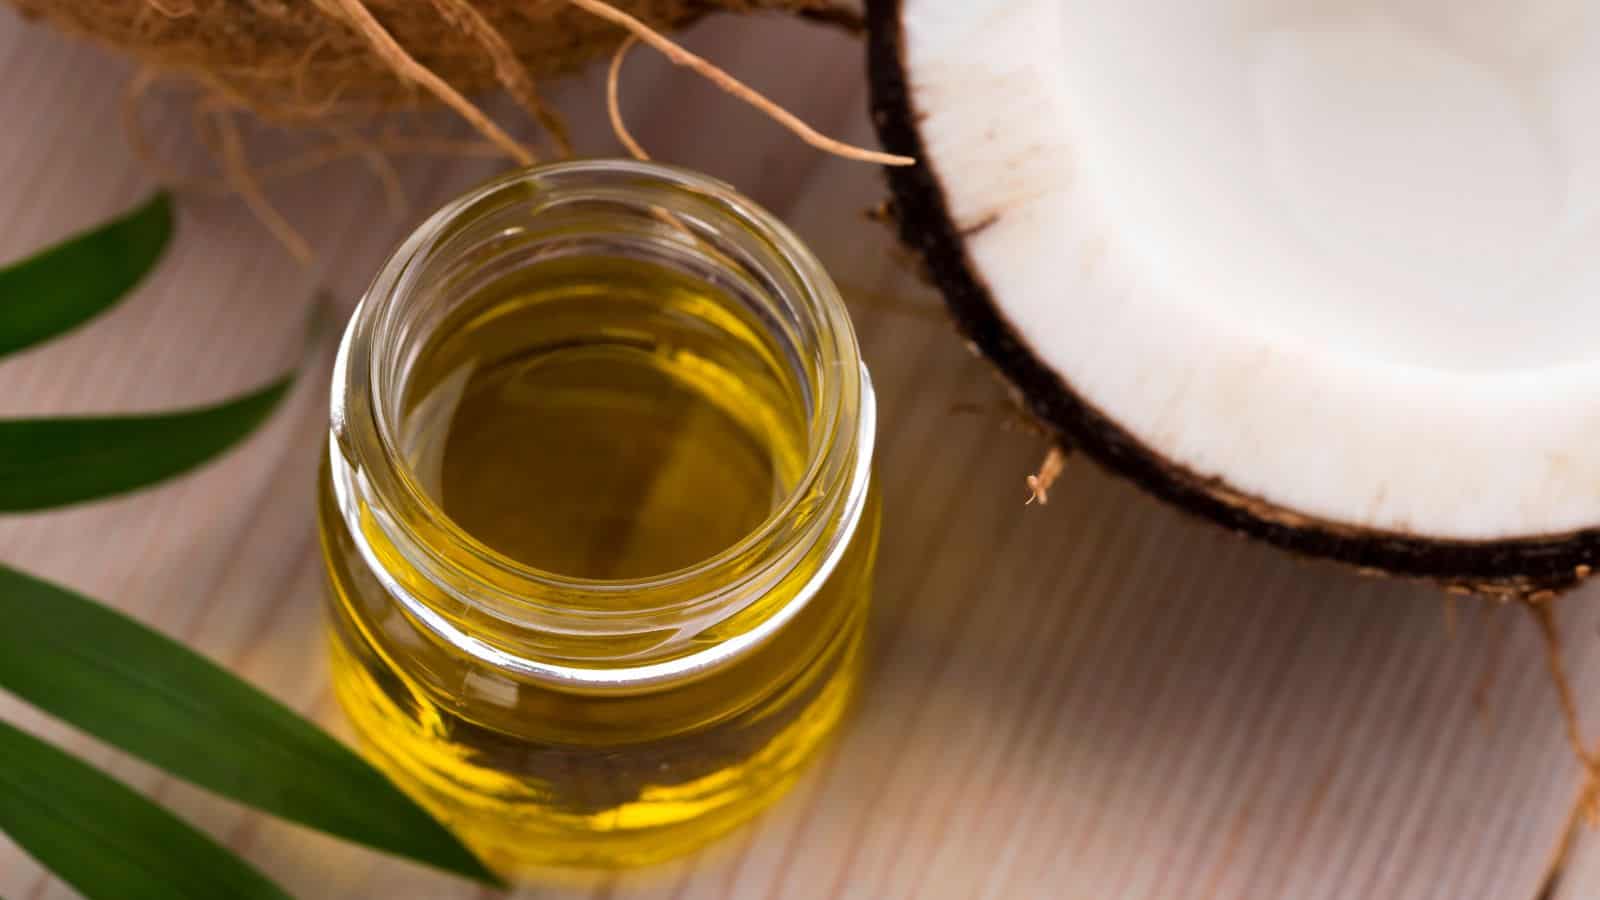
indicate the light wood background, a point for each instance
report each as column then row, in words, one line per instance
column 1097, row 699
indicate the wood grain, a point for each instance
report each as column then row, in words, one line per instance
column 1095, row 699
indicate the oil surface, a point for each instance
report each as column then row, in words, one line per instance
column 602, row 420
column 651, row 444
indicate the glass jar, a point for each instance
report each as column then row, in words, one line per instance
column 597, row 514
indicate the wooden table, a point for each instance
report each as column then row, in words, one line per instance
column 1097, row 699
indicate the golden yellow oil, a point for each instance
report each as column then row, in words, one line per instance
column 652, row 444
column 608, row 420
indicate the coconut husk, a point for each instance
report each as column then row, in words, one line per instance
column 300, row 60
column 330, row 63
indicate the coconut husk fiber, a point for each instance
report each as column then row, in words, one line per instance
column 306, row 60
column 327, row 64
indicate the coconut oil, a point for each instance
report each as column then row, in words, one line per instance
column 597, row 515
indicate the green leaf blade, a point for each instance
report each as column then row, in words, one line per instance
column 155, row 699
column 107, row 840
column 51, row 462
column 61, row 287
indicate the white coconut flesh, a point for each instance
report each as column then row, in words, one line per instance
column 1342, row 256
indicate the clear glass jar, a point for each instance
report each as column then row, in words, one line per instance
column 571, row 714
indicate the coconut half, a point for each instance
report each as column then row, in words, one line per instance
column 1325, row 272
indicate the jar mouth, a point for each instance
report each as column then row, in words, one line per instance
column 701, row 215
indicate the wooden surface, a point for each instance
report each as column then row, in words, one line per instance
column 1098, row 699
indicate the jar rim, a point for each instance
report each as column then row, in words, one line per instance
column 839, row 420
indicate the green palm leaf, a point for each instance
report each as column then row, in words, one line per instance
column 156, row 699
column 48, row 462
column 125, row 683
column 66, row 285
column 105, row 839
